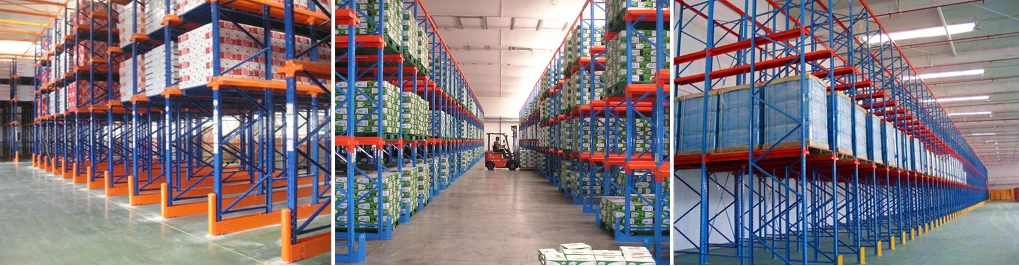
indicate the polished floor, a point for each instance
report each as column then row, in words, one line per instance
column 491, row 217
column 48, row 220
column 988, row 235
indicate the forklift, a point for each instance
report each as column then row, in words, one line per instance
column 504, row 157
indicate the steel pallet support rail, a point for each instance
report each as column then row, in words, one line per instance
column 373, row 57
column 820, row 206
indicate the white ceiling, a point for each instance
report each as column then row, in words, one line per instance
column 503, row 45
column 21, row 23
column 995, row 38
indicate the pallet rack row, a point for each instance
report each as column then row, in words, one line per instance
column 595, row 123
column 232, row 131
column 810, row 139
column 16, row 88
column 391, row 66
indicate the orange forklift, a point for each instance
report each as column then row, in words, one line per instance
column 499, row 155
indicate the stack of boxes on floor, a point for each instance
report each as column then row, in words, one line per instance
column 582, row 254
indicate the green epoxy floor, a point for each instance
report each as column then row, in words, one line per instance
column 48, row 220
column 988, row 235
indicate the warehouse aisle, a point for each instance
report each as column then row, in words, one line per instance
column 67, row 224
column 988, row 235
column 490, row 217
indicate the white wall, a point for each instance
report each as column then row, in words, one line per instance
column 508, row 107
column 1002, row 176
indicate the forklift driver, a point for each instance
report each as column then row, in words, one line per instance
column 497, row 146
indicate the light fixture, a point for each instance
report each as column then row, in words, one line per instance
column 946, row 74
column 983, row 134
column 971, row 113
column 921, row 33
column 961, row 98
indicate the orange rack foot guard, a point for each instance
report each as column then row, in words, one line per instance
column 94, row 184
column 78, row 178
column 250, row 221
column 33, row 161
column 113, row 191
column 304, row 248
column 142, row 199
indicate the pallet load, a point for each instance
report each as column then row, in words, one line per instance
column 363, row 105
column 409, row 189
column 370, row 211
column 25, row 68
column 642, row 63
column 424, row 181
column 641, row 213
column 154, row 65
column 415, row 44
column 414, row 116
column 392, row 30
column 582, row 254
column 148, row 18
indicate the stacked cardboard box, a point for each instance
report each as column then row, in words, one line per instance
column 415, row 115
column 579, row 42
column 582, row 254
column 615, row 9
column 641, row 213
column 154, row 65
column 195, row 50
column 415, row 42
column 364, row 104
column 84, row 51
column 424, row 181
column 369, row 211
column 442, row 162
column 25, row 68
column 183, row 6
column 391, row 28
column 85, row 8
column 642, row 60
column 409, row 188
column 140, row 18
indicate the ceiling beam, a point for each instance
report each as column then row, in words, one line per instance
column 947, row 34
column 27, row 13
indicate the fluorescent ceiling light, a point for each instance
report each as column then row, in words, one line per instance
column 946, row 74
column 983, row 134
column 971, row 113
column 961, row 98
column 921, row 33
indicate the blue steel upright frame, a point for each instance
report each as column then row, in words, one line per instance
column 811, row 203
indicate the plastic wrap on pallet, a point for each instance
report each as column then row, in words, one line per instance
column 786, row 98
column 25, row 68
column 6, row 70
column 890, row 135
column 844, row 122
column 5, row 92
column 860, row 131
column 734, row 115
column 692, row 114
column 875, row 139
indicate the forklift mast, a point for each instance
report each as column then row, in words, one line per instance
column 516, row 146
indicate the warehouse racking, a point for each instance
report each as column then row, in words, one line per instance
column 594, row 125
column 873, row 160
column 17, row 88
column 239, row 134
column 393, row 64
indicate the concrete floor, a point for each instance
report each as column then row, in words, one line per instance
column 48, row 220
column 491, row 217
column 988, row 235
